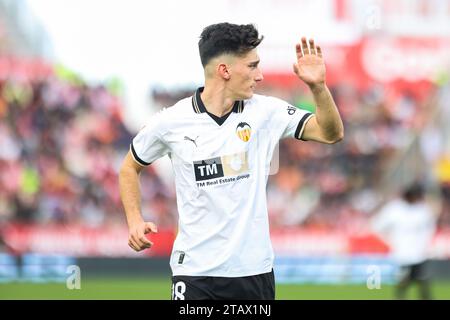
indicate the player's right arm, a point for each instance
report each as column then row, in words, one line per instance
column 130, row 195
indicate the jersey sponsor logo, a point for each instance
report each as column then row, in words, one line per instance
column 220, row 167
column 243, row 131
column 208, row 169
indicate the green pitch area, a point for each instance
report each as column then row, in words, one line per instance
column 159, row 289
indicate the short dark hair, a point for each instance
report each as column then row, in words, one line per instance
column 225, row 37
column 413, row 192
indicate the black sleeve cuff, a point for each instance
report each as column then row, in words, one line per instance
column 300, row 127
column 135, row 156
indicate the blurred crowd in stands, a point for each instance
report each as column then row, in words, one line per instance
column 62, row 143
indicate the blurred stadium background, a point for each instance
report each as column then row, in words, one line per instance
column 63, row 134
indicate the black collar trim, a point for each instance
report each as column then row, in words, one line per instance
column 199, row 107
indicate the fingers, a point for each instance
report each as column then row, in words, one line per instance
column 139, row 243
column 303, row 48
column 319, row 51
column 137, row 239
column 312, row 48
column 298, row 50
column 132, row 244
column 150, row 227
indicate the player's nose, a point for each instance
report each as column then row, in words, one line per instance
column 259, row 76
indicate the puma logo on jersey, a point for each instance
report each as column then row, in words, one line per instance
column 193, row 140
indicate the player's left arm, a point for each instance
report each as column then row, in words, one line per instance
column 326, row 126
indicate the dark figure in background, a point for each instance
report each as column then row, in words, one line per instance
column 408, row 224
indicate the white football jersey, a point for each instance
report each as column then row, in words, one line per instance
column 221, row 166
column 408, row 229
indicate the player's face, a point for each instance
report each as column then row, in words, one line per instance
column 244, row 75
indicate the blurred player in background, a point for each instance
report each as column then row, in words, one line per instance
column 221, row 141
column 408, row 224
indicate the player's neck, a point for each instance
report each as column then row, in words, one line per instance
column 216, row 100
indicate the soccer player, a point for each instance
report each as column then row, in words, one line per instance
column 221, row 141
column 408, row 224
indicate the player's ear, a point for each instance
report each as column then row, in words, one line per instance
column 223, row 71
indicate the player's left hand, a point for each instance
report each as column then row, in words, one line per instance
column 310, row 66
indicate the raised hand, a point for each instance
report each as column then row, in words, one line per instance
column 310, row 66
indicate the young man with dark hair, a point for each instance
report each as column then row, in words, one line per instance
column 221, row 141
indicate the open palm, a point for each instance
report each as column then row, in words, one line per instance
column 310, row 66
